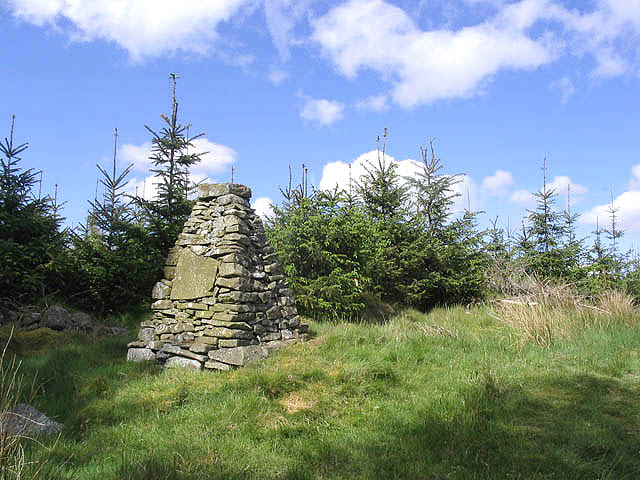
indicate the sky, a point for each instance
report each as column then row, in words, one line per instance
column 498, row 85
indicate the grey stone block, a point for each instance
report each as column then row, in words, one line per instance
column 181, row 362
column 140, row 355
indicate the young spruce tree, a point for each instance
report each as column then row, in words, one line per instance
column 384, row 199
column 446, row 262
column 544, row 254
column 30, row 239
column 114, row 262
column 171, row 159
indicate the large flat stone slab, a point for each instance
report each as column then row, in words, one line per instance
column 209, row 191
column 195, row 276
column 238, row 356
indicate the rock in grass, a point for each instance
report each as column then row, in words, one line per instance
column 27, row 421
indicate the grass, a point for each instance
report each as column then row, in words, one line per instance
column 453, row 394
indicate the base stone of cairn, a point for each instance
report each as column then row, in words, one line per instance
column 223, row 301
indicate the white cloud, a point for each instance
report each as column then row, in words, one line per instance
column 426, row 66
column 423, row 66
column 216, row 159
column 339, row 174
column 138, row 155
column 468, row 194
column 146, row 187
column 628, row 212
column 321, row 112
column 262, row 206
column 560, row 185
column 523, row 197
column 498, row 183
column 609, row 33
column 627, row 205
column 374, row 103
column 144, row 28
column 634, row 183
column 282, row 17
column 277, row 76
column 565, row 87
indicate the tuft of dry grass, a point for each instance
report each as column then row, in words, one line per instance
column 618, row 304
column 545, row 312
column 538, row 323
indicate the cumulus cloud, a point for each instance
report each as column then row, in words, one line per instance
column 449, row 59
column 277, row 76
column 217, row 159
column 498, row 183
column 263, row 207
column 425, row 66
column 374, row 103
column 340, row 174
column 144, row 28
column 282, row 17
column 565, row 87
column 138, row 155
column 321, row 112
column 523, row 197
column 627, row 206
column 609, row 33
column 145, row 187
column 634, row 183
column 561, row 184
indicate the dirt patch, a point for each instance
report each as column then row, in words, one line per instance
column 294, row 403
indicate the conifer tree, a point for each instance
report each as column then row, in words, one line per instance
column 30, row 237
column 573, row 247
column 384, row 200
column 546, row 229
column 323, row 244
column 171, row 160
column 113, row 214
column 614, row 233
column 383, row 194
column 433, row 191
column 114, row 260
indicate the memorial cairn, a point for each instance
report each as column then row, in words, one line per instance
column 224, row 300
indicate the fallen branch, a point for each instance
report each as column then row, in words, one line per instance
column 601, row 310
column 515, row 302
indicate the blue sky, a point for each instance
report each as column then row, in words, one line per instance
column 499, row 84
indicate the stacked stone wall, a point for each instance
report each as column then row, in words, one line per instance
column 224, row 300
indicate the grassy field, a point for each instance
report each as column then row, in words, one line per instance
column 453, row 394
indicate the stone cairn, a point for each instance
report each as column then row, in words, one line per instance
column 224, row 300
